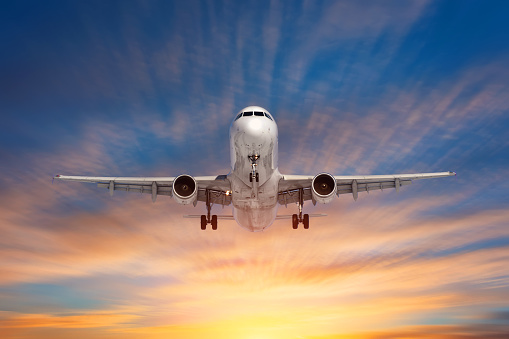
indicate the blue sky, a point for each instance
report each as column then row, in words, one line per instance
column 150, row 88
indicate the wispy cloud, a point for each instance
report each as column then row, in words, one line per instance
column 151, row 90
column 381, row 258
column 99, row 319
column 399, row 126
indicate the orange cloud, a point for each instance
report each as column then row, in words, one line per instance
column 99, row 319
column 366, row 267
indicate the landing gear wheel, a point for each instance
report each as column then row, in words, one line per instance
column 250, row 177
column 257, row 177
column 203, row 222
column 305, row 221
column 214, row 222
column 295, row 221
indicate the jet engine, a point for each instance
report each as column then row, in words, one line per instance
column 185, row 189
column 323, row 188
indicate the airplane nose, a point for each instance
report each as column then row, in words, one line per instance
column 255, row 133
column 254, row 128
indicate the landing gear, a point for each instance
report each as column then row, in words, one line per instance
column 203, row 222
column 297, row 219
column 214, row 222
column 305, row 221
column 254, row 173
column 206, row 219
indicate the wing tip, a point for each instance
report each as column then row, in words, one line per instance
column 55, row 177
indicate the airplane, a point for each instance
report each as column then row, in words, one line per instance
column 254, row 186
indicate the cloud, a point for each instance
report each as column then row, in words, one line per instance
column 99, row 319
column 429, row 331
column 390, row 258
column 355, row 29
column 376, row 266
column 399, row 126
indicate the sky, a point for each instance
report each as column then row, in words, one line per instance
column 125, row 88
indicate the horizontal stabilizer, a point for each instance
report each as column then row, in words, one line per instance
column 219, row 217
column 289, row 216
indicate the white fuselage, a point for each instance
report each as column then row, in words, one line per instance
column 254, row 137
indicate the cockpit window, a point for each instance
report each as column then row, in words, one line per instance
column 255, row 113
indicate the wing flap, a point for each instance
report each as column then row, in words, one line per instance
column 218, row 197
column 292, row 196
column 161, row 190
column 369, row 186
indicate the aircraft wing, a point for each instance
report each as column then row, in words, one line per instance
column 290, row 184
column 218, row 186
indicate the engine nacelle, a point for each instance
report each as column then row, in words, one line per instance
column 185, row 189
column 323, row 188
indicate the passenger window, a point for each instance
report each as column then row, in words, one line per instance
column 258, row 114
column 248, row 114
column 238, row 117
column 268, row 116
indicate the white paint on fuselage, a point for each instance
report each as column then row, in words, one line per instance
column 254, row 204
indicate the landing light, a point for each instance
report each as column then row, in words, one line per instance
column 228, row 192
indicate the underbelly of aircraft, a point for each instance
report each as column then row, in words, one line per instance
column 252, row 210
column 255, row 219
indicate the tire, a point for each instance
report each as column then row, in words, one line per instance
column 295, row 221
column 214, row 222
column 306, row 221
column 203, row 222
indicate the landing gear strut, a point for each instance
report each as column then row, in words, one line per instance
column 304, row 219
column 206, row 219
column 254, row 173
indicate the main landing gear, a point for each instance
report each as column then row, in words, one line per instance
column 300, row 218
column 207, row 219
column 304, row 219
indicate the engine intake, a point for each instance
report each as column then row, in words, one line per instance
column 185, row 189
column 323, row 188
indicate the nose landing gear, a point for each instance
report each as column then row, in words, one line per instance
column 300, row 218
column 254, row 173
column 256, row 176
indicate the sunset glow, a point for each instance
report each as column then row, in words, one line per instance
column 150, row 88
